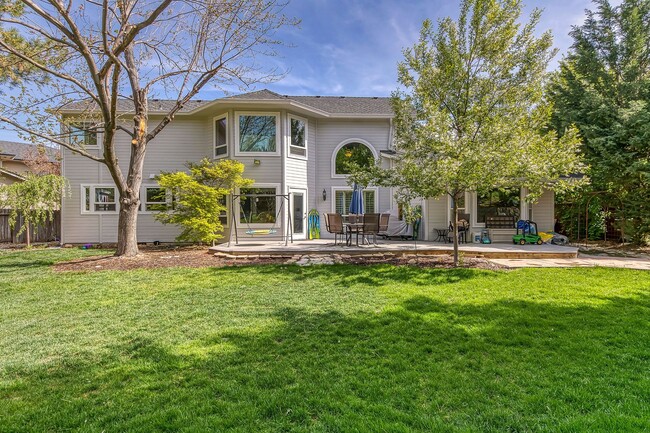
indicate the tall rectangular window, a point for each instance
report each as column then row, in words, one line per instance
column 221, row 137
column 257, row 133
column 223, row 215
column 298, row 139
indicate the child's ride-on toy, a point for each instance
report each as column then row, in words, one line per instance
column 528, row 233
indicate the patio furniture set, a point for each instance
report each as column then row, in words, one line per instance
column 446, row 235
column 354, row 226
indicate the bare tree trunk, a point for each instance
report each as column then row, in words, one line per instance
column 454, row 201
column 127, row 240
column 29, row 241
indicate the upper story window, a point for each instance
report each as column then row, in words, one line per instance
column 82, row 135
column 257, row 133
column 298, row 139
column 357, row 153
column 221, row 136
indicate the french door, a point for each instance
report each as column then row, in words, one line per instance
column 299, row 212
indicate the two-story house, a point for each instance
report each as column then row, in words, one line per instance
column 293, row 145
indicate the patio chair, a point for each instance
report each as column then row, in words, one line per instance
column 463, row 228
column 383, row 224
column 334, row 225
column 371, row 226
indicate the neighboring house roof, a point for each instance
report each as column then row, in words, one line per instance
column 17, row 176
column 326, row 106
column 19, row 151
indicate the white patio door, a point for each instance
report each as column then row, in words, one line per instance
column 299, row 212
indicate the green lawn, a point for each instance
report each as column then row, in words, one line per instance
column 334, row 348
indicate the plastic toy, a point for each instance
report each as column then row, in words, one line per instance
column 485, row 236
column 527, row 233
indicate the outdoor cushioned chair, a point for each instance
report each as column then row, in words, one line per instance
column 334, row 225
column 383, row 224
column 371, row 225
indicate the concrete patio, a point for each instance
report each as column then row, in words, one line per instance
column 326, row 246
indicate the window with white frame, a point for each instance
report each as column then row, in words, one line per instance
column 223, row 215
column 96, row 198
column 257, row 133
column 156, row 199
column 258, row 205
column 221, row 136
column 298, row 139
column 343, row 198
column 499, row 202
column 352, row 154
column 82, row 135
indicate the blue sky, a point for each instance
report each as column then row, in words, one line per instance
column 352, row 47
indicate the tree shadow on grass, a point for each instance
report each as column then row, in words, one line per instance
column 372, row 275
column 425, row 366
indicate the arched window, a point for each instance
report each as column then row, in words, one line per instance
column 357, row 153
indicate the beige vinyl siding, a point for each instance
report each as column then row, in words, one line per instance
column 331, row 133
column 436, row 215
column 544, row 211
column 314, row 195
column 184, row 140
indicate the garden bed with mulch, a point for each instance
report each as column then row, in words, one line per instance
column 198, row 257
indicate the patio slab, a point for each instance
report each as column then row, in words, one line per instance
column 580, row 262
column 326, row 246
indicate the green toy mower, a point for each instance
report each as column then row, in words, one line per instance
column 527, row 233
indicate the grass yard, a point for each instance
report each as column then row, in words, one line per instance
column 322, row 349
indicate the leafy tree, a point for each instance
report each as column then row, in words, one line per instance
column 603, row 88
column 36, row 198
column 115, row 56
column 199, row 197
column 471, row 115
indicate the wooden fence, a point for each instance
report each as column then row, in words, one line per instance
column 50, row 231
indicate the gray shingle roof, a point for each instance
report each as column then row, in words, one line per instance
column 126, row 105
column 19, row 151
column 329, row 104
column 332, row 105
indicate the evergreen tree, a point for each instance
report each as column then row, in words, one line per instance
column 603, row 88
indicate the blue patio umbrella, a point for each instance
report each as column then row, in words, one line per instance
column 356, row 204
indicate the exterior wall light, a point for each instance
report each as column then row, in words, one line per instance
column 324, row 194
column 257, row 162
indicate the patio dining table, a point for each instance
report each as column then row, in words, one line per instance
column 351, row 229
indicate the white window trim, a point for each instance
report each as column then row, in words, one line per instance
column 348, row 188
column 280, row 224
column 92, row 187
column 143, row 198
column 278, row 135
column 214, row 137
column 97, row 135
column 228, row 198
column 340, row 145
column 289, row 145
column 474, row 210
